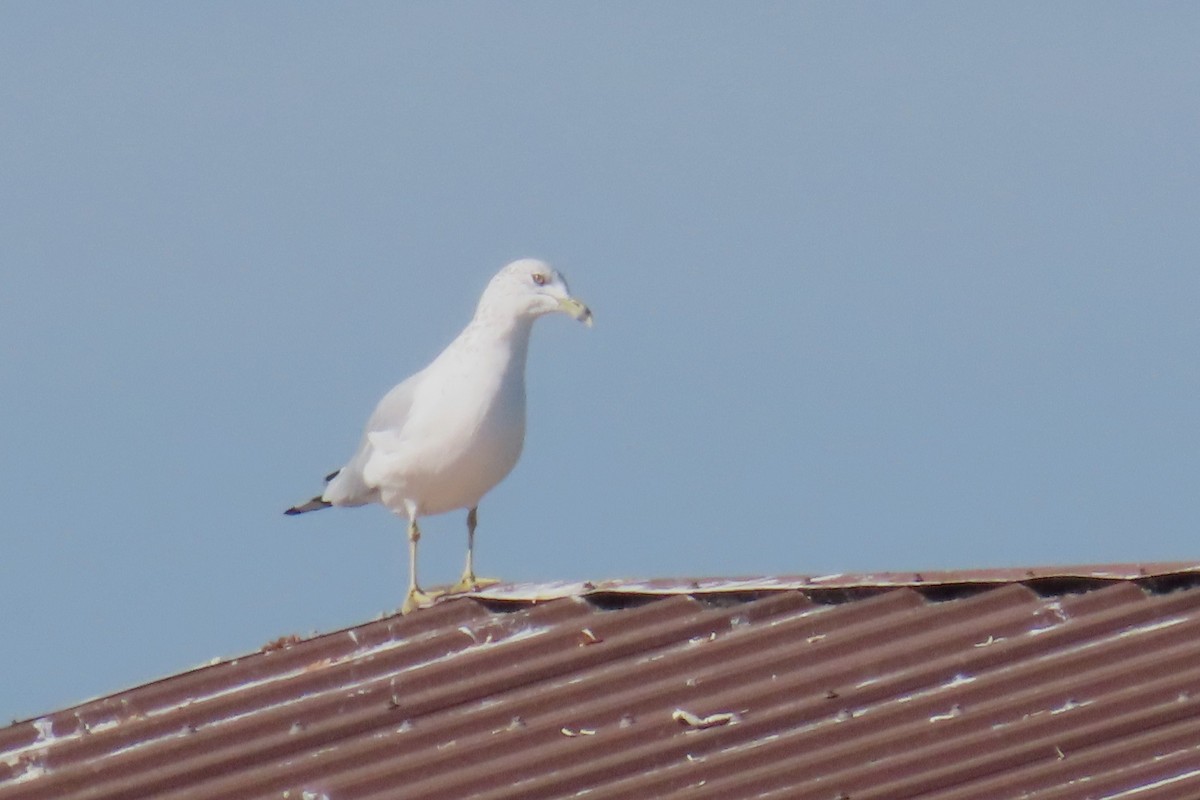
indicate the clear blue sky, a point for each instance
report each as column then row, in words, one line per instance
column 877, row 287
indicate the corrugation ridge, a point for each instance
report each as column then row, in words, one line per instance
column 227, row 674
column 152, row 699
column 1023, row 672
column 427, row 689
column 1166, row 776
column 813, row 714
column 1170, row 770
column 1114, row 724
column 350, row 773
column 211, row 693
column 155, row 761
column 1119, row 784
column 1187, row 786
column 658, row 742
column 1135, row 747
column 196, row 723
column 913, row 769
column 1163, row 724
column 1093, row 601
column 886, row 690
column 542, row 741
column 200, row 712
column 542, row 710
column 995, row 661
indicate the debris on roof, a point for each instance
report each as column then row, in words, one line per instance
column 1052, row 684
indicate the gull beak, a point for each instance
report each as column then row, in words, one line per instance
column 576, row 309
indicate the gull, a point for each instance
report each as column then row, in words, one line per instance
column 444, row 437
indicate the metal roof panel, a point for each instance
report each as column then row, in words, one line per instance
column 1056, row 684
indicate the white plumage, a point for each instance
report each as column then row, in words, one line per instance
column 442, row 438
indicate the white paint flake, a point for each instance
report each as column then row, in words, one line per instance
column 32, row 772
column 1147, row 787
column 45, row 729
column 1070, row 704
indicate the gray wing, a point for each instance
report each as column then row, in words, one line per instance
column 346, row 487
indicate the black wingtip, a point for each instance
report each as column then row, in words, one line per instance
column 333, row 475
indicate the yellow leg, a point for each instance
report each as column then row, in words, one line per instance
column 415, row 598
column 468, row 582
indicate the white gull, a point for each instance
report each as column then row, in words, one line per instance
column 442, row 438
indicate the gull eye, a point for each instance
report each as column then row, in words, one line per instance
column 539, row 279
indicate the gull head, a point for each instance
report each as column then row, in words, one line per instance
column 532, row 288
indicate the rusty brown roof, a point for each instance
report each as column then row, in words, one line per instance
column 1048, row 684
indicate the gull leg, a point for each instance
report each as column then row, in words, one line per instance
column 415, row 597
column 468, row 582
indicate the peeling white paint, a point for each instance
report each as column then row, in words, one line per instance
column 1056, row 607
column 1146, row 787
column 651, row 658
column 1136, row 630
column 45, row 729
column 32, row 772
column 1060, row 616
column 959, row 679
column 46, row 737
column 101, row 727
column 1070, row 705
column 487, row 644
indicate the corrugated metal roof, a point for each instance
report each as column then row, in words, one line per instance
column 1052, row 684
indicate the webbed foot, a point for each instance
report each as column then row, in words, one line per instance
column 417, row 598
column 469, row 583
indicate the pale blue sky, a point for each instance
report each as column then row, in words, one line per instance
column 877, row 287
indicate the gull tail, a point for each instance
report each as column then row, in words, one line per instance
column 317, row 503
